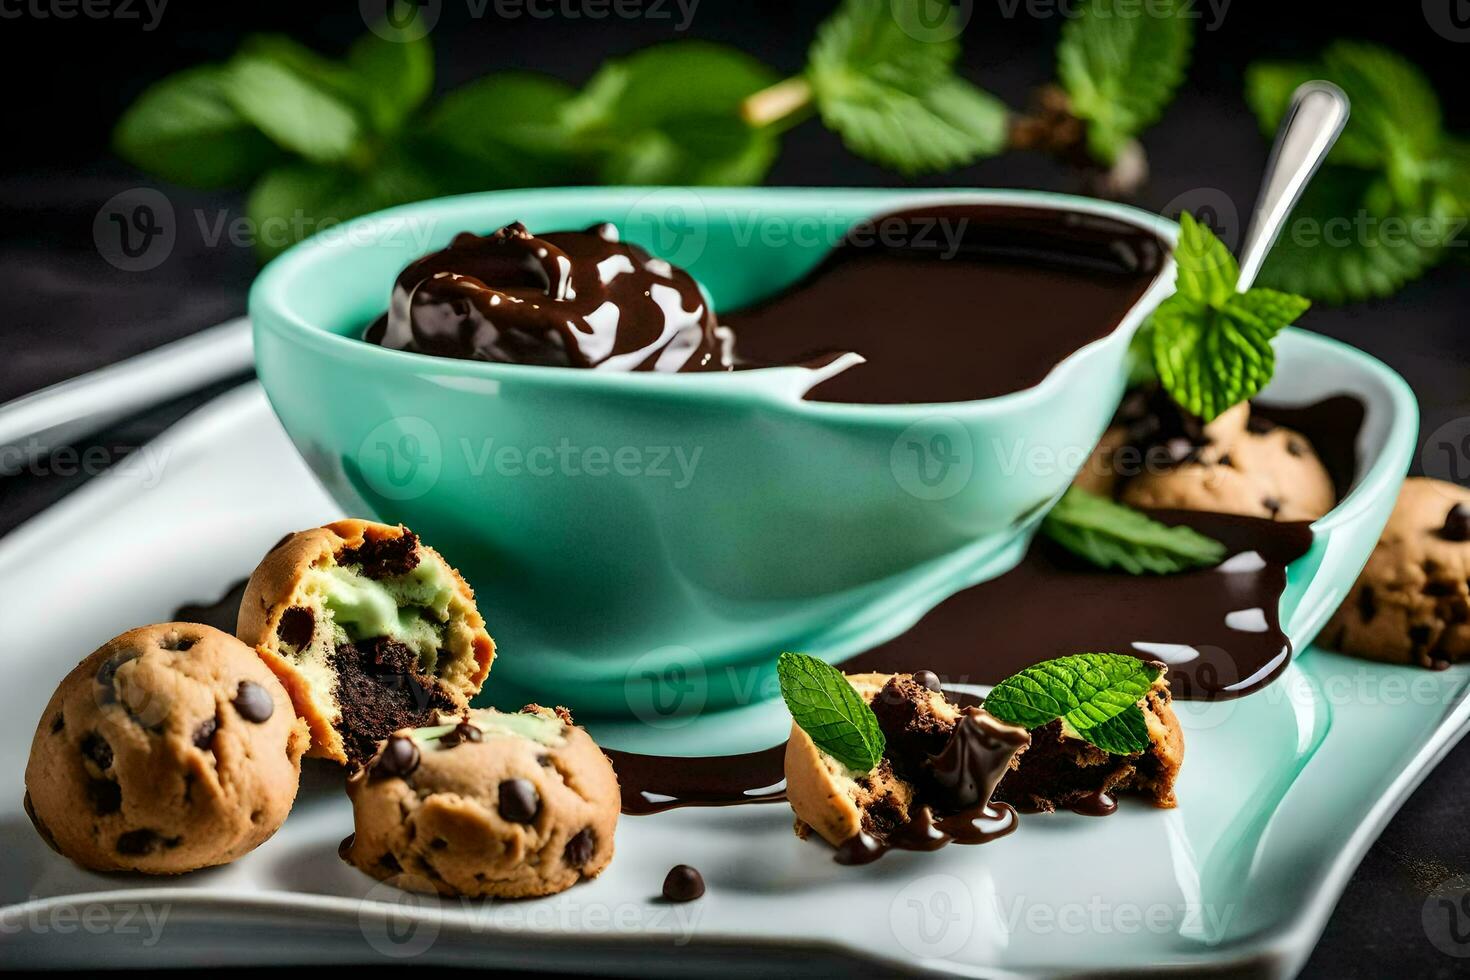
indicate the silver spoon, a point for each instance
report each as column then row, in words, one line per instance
column 1312, row 123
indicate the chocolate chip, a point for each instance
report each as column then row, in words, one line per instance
column 296, row 627
column 204, row 734
column 105, row 796
column 399, row 758
column 1367, row 603
column 136, row 843
column 253, row 702
column 1442, row 589
column 1226, row 460
column 929, row 679
column 1296, row 447
column 438, row 844
column 95, row 747
column 58, row 725
column 1273, row 504
column 683, row 884
column 391, row 863
column 107, row 678
column 519, row 802
column 463, row 732
column 579, row 849
column 1419, row 636
column 544, row 761
column 177, row 643
column 1258, row 424
column 1456, row 524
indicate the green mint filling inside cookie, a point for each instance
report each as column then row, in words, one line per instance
column 539, row 728
column 411, row 608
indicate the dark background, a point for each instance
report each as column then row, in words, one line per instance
column 68, row 311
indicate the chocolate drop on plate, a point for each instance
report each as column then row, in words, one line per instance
column 1095, row 804
column 683, row 884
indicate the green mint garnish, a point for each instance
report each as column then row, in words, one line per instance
column 882, row 76
column 1095, row 695
column 1396, row 187
column 1120, row 69
column 1111, row 535
column 1211, row 345
column 825, row 706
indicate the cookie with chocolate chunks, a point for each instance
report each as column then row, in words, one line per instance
column 370, row 630
column 170, row 748
column 487, row 803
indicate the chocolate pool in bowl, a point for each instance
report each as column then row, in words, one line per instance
column 631, row 525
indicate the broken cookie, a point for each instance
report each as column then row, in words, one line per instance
column 369, row 629
column 171, row 748
column 1411, row 604
column 510, row 805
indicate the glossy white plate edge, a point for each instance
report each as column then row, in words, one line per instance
column 1280, row 951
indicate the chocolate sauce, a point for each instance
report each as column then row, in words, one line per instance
column 655, row 783
column 971, row 764
column 955, row 302
column 1095, row 804
column 565, row 299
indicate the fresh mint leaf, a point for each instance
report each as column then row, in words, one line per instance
column 184, row 129
column 397, row 71
column 891, row 93
column 295, row 110
column 1122, row 734
column 1207, row 272
column 1120, row 64
column 503, row 130
column 825, row 706
column 1211, row 345
column 671, row 114
column 1111, row 535
column 1087, row 691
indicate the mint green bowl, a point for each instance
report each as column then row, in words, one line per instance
column 623, row 529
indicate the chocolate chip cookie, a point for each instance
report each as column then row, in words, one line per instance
column 171, row 748
column 369, row 629
column 1411, row 604
column 510, row 805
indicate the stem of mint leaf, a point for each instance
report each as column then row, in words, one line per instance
column 1096, row 696
column 825, row 706
column 1114, row 536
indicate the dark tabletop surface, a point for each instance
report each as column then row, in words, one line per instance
column 69, row 311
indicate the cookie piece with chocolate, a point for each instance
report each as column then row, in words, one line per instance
column 933, row 785
column 1411, row 604
column 1060, row 771
column 489, row 803
column 369, row 629
column 170, row 748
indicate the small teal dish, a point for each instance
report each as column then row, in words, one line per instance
column 622, row 530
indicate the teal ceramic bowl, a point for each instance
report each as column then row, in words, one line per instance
column 623, row 530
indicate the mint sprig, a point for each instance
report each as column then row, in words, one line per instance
column 825, row 706
column 1114, row 536
column 889, row 89
column 1121, row 67
column 1211, row 346
column 1393, row 194
column 1096, row 696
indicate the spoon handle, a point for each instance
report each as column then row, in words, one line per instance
column 1312, row 123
